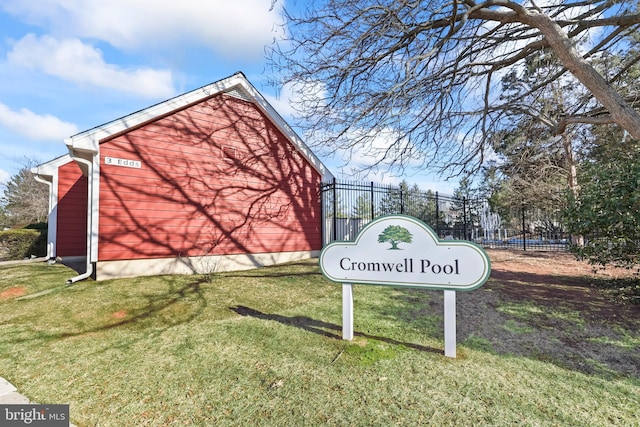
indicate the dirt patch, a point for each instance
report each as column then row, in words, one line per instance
column 558, row 280
column 548, row 306
column 14, row 292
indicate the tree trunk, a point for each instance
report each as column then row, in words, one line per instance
column 572, row 178
column 621, row 112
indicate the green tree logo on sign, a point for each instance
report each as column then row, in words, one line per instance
column 395, row 234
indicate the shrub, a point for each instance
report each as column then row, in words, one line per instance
column 607, row 210
column 22, row 243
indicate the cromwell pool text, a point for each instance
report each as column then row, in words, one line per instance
column 406, row 266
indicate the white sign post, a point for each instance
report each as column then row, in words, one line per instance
column 399, row 250
column 449, row 323
column 347, row 311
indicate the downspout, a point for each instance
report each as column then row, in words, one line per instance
column 50, row 256
column 89, row 164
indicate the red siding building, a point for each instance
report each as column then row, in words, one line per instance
column 210, row 180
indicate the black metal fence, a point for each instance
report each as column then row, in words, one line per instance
column 348, row 206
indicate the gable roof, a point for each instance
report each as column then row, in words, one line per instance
column 236, row 85
column 49, row 169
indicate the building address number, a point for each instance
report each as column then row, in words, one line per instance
column 114, row 161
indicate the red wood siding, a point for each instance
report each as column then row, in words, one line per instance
column 71, row 237
column 215, row 178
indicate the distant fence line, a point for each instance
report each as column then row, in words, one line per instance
column 349, row 206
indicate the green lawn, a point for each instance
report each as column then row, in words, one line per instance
column 264, row 347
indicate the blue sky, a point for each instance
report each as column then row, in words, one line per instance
column 69, row 65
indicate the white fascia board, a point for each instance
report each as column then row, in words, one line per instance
column 49, row 169
column 49, row 172
column 89, row 140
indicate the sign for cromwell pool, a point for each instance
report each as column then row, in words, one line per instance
column 399, row 250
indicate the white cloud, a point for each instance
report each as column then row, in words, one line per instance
column 237, row 29
column 4, row 177
column 75, row 61
column 378, row 150
column 366, row 151
column 362, row 163
column 366, row 154
column 293, row 97
column 35, row 126
column 282, row 105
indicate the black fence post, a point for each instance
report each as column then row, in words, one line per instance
column 524, row 232
column 335, row 209
column 437, row 216
column 323, row 214
column 464, row 218
column 372, row 203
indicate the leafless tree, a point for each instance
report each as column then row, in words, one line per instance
column 428, row 74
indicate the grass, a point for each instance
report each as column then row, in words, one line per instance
column 264, row 347
column 625, row 290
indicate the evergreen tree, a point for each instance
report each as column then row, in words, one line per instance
column 362, row 208
column 607, row 209
column 466, row 208
column 395, row 201
column 25, row 200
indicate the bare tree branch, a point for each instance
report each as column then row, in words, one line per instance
column 429, row 73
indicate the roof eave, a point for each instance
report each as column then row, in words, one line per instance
column 89, row 140
column 50, row 168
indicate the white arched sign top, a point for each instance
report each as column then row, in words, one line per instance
column 399, row 250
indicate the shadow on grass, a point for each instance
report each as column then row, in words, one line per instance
column 562, row 320
column 323, row 328
column 157, row 311
column 586, row 295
